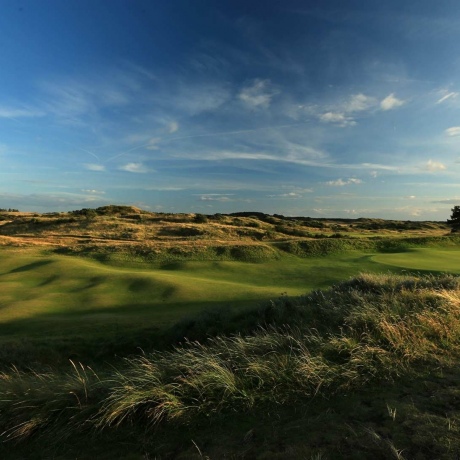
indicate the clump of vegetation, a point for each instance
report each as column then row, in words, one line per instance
column 200, row 219
column 454, row 220
column 328, row 349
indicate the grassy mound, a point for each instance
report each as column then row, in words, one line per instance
column 343, row 357
column 138, row 254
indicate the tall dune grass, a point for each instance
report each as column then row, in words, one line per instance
column 371, row 328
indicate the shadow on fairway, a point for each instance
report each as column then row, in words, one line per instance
column 32, row 266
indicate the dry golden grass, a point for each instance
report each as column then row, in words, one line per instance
column 121, row 226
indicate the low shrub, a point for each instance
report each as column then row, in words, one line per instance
column 200, row 219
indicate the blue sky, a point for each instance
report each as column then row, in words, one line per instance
column 314, row 108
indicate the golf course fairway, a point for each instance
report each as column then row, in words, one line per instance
column 49, row 295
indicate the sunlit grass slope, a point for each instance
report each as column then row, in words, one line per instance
column 426, row 259
column 44, row 294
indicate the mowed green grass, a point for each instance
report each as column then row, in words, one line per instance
column 48, row 295
column 423, row 259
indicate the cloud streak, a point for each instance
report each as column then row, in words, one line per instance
column 94, row 167
column 14, row 112
column 451, row 95
column 342, row 183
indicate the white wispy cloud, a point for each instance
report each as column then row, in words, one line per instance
column 222, row 197
column 25, row 112
column 337, row 183
column 94, row 167
column 166, row 188
column 136, row 138
column 338, row 118
column 256, row 156
column 341, row 182
column 43, row 202
column 300, row 152
column 359, row 102
column 134, row 168
column 298, row 190
column 258, row 95
column 293, row 195
column 196, row 97
column 153, row 143
column 391, row 102
column 173, row 127
column 142, row 71
column 70, row 99
column 454, row 201
column 453, row 131
column 321, row 211
column 342, row 113
column 351, row 211
column 377, row 167
column 434, row 166
column 93, row 191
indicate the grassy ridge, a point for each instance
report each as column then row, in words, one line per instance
column 255, row 253
column 331, row 246
column 140, row 254
column 334, row 350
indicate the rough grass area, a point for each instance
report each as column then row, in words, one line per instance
column 368, row 369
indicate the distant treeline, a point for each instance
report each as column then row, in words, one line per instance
column 8, row 210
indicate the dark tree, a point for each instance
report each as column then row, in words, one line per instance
column 455, row 219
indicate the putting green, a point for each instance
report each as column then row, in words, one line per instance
column 426, row 259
